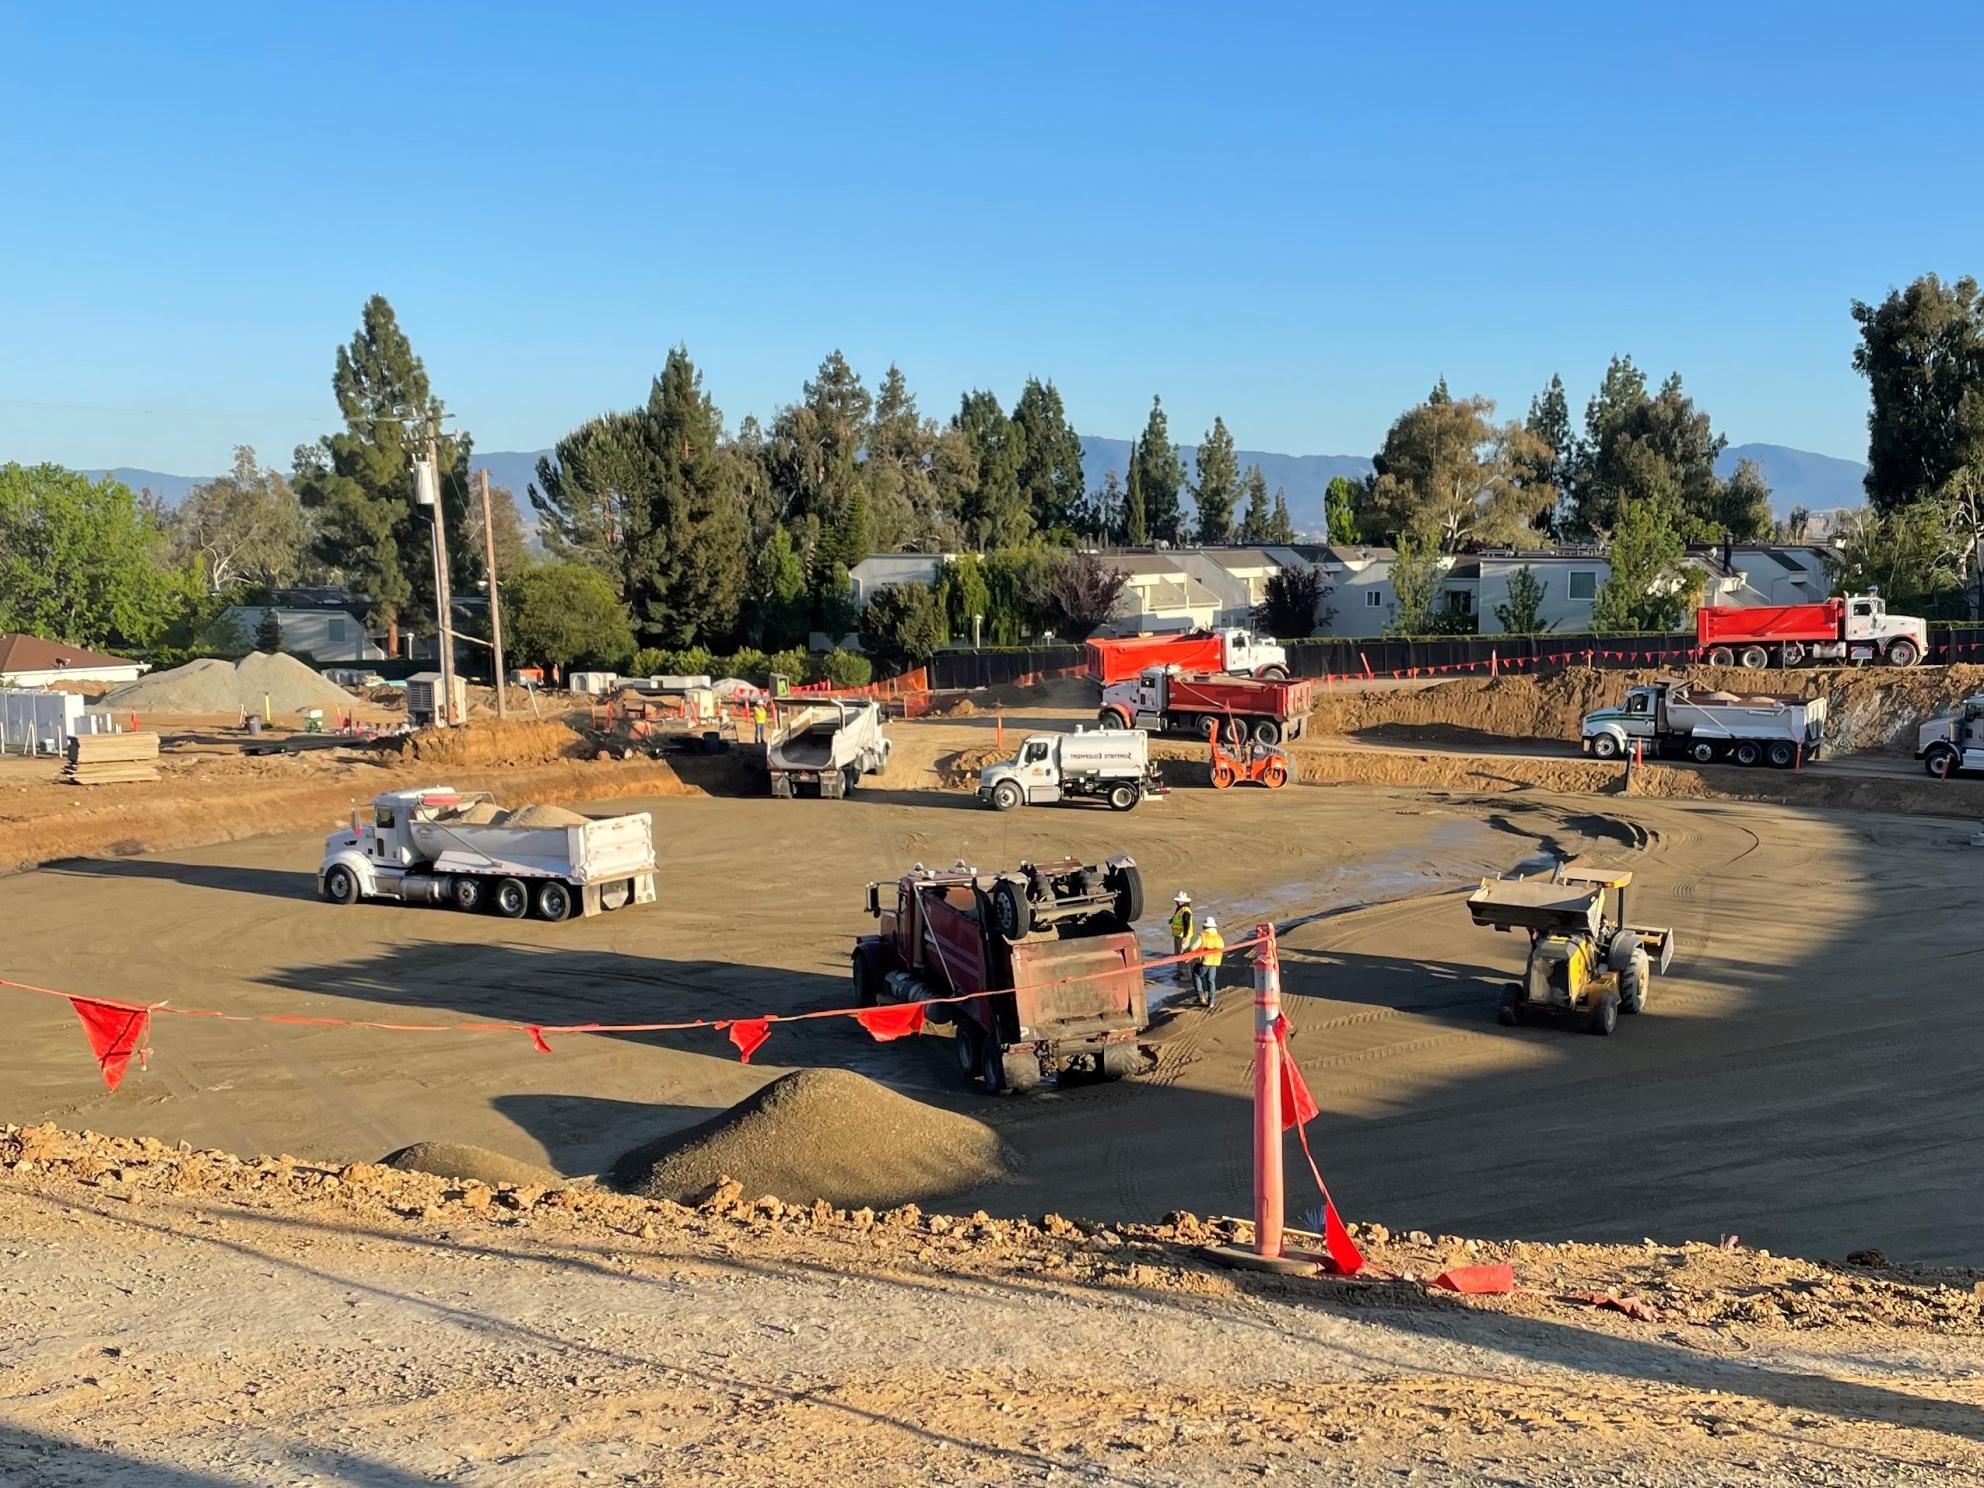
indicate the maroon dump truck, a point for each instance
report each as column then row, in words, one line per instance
column 1053, row 941
column 1165, row 700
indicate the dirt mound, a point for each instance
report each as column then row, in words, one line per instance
column 459, row 1160
column 1871, row 710
column 821, row 1134
column 486, row 742
column 543, row 816
column 211, row 685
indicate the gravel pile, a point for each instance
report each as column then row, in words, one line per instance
column 821, row 1134
column 211, row 685
column 460, row 1160
column 542, row 816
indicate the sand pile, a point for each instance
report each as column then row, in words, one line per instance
column 459, row 1160
column 211, row 685
column 518, row 741
column 542, row 816
column 821, row 1134
column 1875, row 708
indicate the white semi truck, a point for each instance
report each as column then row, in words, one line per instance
column 1110, row 765
column 1953, row 742
column 437, row 845
column 1674, row 718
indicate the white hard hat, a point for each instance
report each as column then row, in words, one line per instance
column 1212, row 922
column 1183, row 898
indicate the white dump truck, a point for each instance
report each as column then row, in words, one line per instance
column 825, row 747
column 1110, row 765
column 1953, row 742
column 437, row 845
column 1674, row 718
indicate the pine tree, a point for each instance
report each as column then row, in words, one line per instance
column 359, row 483
column 1108, row 517
column 996, row 514
column 1136, row 519
column 1159, row 474
column 1256, row 526
column 1280, row 528
column 1218, row 487
column 268, row 632
column 1050, row 470
column 1340, row 509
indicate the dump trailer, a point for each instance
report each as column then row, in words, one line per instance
column 1111, row 765
column 1165, row 700
column 1240, row 653
column 1857, row 627
column 1676, row 718
column 826, row 747
column 1053, row 943
column 1952, row 743
column 437, row 845
column 1584, row 959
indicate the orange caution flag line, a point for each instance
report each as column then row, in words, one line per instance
column 118, row 1031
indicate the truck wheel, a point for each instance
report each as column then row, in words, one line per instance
column 554, row 900
column 1122, row 797
column 1606, row 746
column 1006, row 795
column 1208, row 726
column 1009, row 1073
column 465, row 893
column 1755, row 657
column 1604, row 1014
column 966, row 1045
column 1794, row 653
column 1782, row 755
column 1747, row 752
column 1701, row 752
column 1903, row 653
column 509, row 898
column 1109, row 718
column 1118, row 1061
column 1721, row 656
column 1011, row 910
column 1273, row 674
column 1942, row 761
column 867, row 990
column 1129, row 891
column 1267, row 731
column 341, row 885
column 992, row 1066
column 1633, row 979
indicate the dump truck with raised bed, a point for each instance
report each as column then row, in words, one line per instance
column 825, row 747
column 1676, row 718
column 1165, row 700
column 437, row 845
column 1053, row 943
column 1239, row 653
column 1111, row 765
column 1584, row 960
column 1857, row 627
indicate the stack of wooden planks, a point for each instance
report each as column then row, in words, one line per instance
column 111, row 759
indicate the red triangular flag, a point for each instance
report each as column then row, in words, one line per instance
column 1343, row 1251
column 537, row 1039
column 115, row 1035
column 892, row 1021
column 748, row 1034
column 1298, row 1107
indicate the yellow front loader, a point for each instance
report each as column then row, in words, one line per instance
column 1584, row 960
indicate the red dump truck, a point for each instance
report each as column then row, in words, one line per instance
column 1240, row 652
column 1857, row 627
column 1053, row 941
column 1164, row 700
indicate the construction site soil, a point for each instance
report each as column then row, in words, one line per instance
column 1802, row 1079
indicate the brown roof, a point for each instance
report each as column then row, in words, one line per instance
column 26, row 653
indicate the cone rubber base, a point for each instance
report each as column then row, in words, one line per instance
column 1288, row 1263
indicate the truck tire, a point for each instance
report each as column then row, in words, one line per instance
column 1208, row 724
column 1755, row 657
column 1123, row 797
column 340, row 885
column 1128, row 888
column 1942, row 761
column 1011, row 910
column 1782, row 755
column 1702, row 752
column 509, row 898
column 1267, row 731
column 1604, row 1014
column 992, row 1066
column 966, row 1045
column 1112, row 718
column 1606, row 746
column 466, row 893
column 1117, row 1061
column 1793, row 654
column 1720, row 656
column 1633, row 979
column 1273, row 674
column 553, row 900
column 1006, row 795
column 1747, row 752
column 1903, row 653
column 867, row 976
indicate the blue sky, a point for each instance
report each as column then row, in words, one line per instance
column 1293, row 216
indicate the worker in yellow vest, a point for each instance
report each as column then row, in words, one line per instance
column 758, row 717
column 1181, row 933
column 1211, row 946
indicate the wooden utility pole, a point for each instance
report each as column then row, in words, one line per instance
column 443, row 598
column 495, row 600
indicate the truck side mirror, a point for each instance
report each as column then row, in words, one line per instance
column 874, row 901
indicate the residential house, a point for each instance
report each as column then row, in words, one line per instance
column 879, row 570
column 1361, row 599
column 30, row 661
column 1237, row 577
column 327, row 630
column 1776, row 573
column 1160, row 595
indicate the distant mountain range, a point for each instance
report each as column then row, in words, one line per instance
column 1819, row 483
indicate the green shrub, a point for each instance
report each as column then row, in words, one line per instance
column 842, row 668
